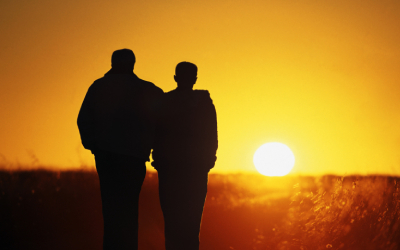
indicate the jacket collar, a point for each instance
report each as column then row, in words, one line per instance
column 119, row 71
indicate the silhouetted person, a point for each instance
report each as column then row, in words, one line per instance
column 184, row 152
column 116, row 123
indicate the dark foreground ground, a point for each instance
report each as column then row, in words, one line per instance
column 62, row 210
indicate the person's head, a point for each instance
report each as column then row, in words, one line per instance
column 123, row 59
column 185, row 75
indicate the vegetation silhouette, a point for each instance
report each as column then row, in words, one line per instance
column 61, row 210
column 116, row 122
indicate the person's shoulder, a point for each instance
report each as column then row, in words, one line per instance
column 171, row 93
column 100, row 80
column 151, row 86
column 97, row 82
column 204, row 97
column 202, row 92
column 168, row 96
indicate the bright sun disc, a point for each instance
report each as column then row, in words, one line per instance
column 274, row 159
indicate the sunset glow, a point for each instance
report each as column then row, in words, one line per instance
column 320, row 76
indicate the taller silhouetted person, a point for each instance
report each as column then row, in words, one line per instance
column 116, row 123
column 184, row 152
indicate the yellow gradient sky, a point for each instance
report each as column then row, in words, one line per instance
column 323, row 77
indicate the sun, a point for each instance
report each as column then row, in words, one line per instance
column 273, row 159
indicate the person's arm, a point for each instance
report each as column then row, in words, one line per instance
column 156, row 105
column 214, row 132
column 86, row 121
column 210, row 126
column 153, row 112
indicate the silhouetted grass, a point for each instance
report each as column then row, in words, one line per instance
column 62, row 210
column 343, row 213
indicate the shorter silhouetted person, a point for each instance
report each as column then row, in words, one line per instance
column 184, row 152
column 116, row 122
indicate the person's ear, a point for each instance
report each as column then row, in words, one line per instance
column 175, row 78
column 195, row 80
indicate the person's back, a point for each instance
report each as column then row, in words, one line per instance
column 118, row 111
column 116, row 122
column 184, row 152
column 186, row 131
column 119, row 115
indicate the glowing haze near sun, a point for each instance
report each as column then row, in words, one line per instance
column 274, row 159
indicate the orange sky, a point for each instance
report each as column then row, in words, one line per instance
column 319, row 76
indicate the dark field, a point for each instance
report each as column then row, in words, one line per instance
column 62, row 210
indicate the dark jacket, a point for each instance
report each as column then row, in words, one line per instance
column 186, row 132
column 117, row 115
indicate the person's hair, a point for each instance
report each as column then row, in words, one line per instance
column 123, row 57
column 186, row 70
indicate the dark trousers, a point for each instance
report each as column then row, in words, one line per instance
column 182, row 197
column 121, row 178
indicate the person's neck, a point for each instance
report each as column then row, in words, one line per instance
column 180, row 88
column 121, row 71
